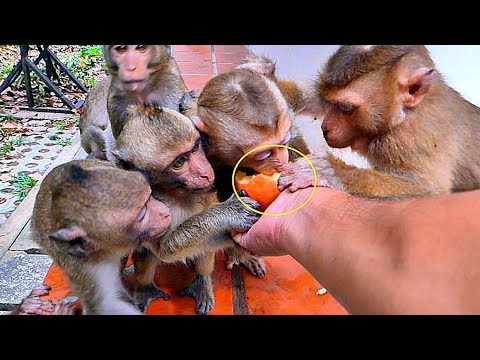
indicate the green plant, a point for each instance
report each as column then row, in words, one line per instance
column 61, row 124
column 17, row 141
column 9, row 117
column 60, row 140
column 5, row 70
column 22, row 183
column 86, row 58
column 8, row 146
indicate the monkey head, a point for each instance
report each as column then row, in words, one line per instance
column 166, row 146
column 241, row 110
column 97, row 209
column 133, row 64
column 368, row 90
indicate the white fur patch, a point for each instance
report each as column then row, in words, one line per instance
column 367, row 47
column 313, row 135
column 108, row 279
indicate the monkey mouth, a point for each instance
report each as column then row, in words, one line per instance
column 205, row 190
column 134, row 85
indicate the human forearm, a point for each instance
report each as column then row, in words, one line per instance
column 346, row 244
column 411, row 257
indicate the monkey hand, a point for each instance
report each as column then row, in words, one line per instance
column 299, row 174
column 185, row 101
column 33, row 304
column 240, row 217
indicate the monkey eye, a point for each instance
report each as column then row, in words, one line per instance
column 142, row 213
column 178, row 163
column 346, row 109
column 264, row 155
column 196, row 147
column 141, row 48
column 121, row 48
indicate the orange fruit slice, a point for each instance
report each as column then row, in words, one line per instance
column 259, row 187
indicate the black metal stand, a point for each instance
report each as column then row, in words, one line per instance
column 25, row 65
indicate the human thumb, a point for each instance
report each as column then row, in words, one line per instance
column 241, row 238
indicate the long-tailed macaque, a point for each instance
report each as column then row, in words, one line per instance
column 141, row 74
column 243, row 109
column 95, row 130
column 390, row 104
column 87, row 216
column 167, row 148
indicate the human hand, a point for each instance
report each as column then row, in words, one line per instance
column 270, row 235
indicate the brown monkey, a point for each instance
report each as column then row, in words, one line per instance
column 243, row 109
column 95, row 130
column 167, row 148
column 88, row 214
column 142, row 74
column 391, row 105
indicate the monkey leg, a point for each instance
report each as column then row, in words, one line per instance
column 145, row 289
column 201, row 288
column 254, row 264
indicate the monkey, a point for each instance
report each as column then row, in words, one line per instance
column 95, row 130
column 141, row 74
column 165, row 146
column 390, row 104
column 241, row 110
column 87, row 215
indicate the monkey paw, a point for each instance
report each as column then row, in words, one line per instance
column 201, row 290
column 242, row 218
column 232, row 258
column 254, row 264
column 144, row 294
column 184, row 103
column 40, row 289
column 34, row 305
column 299, row 174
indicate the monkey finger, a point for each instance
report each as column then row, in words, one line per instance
column 40, row 289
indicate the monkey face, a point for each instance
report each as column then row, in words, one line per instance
column 98, row 209
column 152, row 221
column 132, row 64
column 267, row 161
column 192, row 170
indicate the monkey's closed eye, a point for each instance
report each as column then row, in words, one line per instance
column 346, row 109
column 264, row 155
column 141, row 214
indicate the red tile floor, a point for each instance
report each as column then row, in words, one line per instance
column 286, row 289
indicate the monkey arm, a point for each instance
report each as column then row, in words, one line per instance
column 117, row 113
column 300, row 97
column 205, row 231
column 370, row 183
column 333, row 172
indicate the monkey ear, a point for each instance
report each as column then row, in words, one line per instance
column 72, row 240
column 259, row 64
column 415, row 86
column 199, row 124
